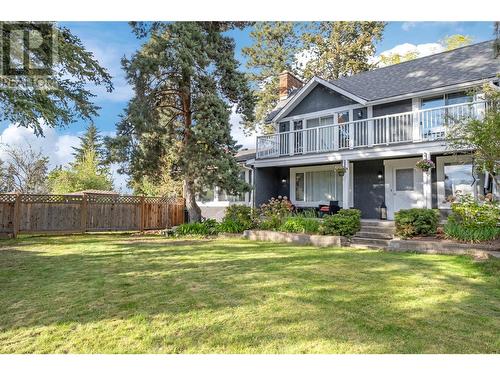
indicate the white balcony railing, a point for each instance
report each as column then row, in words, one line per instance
column 416, row 126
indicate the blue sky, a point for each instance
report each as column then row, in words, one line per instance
column 110, row 41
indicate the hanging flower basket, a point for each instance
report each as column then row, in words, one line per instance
column 341, row 171
column 425, row 165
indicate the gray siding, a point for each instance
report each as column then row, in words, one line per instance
column 319, row 99
column 392, row 108
column 268, row 183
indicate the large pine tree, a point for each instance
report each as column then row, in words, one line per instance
column 275, row 49
column 341, row 48
column 186, row 82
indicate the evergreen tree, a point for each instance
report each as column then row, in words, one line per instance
column 63, row 97
column 275, row 48
column 90, row 141
column 186, row 81
column 341, row 48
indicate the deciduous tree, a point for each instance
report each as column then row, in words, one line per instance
column 26, row 169
column 84, row 174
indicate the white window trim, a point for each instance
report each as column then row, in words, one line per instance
column 440, row 161
column 316, row 168
column 324, row 113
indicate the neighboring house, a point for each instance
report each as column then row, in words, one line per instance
column 377, row 124
column 213, row 204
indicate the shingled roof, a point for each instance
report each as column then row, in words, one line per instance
column 461, row 65
column 466, row 64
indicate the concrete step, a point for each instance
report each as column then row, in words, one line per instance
column 383, row 235
column 377, row 223
column 369, row 243
column 370, row 229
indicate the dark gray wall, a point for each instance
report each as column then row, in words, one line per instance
column 392, row 108
column 319, row 99
column 268, row 183
column 369, row 191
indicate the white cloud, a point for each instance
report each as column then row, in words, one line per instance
column 58, row 148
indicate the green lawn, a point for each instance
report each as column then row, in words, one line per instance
column 122, row 294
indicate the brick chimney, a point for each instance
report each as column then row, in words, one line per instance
column 288, row 82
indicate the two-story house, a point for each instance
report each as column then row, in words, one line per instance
column 376, row 125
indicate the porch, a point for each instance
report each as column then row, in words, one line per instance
column 368, row 184
column 329, row 134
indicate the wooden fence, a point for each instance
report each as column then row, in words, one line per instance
column 35, row 213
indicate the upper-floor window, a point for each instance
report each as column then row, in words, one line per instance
column 447, row 99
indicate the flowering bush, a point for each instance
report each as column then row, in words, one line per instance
column 273, row 213
column 473, row 220
column 425, row 164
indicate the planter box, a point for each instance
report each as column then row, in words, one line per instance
column 296, row 238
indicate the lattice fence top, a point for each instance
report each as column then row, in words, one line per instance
column 91, row 198
column 164, row 200
column 50, row 198
column 7, row 198
column 112, row 199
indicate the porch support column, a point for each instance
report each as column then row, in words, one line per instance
column 427, row 183
column 345, row 185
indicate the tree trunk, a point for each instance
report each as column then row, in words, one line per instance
column 191, row 205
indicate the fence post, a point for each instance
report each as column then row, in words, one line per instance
column 141, row 226
column 17, row 213
column 83, row 213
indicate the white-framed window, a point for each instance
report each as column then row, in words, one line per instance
column 456, row 174
column 315, row 185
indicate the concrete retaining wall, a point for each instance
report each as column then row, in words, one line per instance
column 299, row 239
column 442, row 247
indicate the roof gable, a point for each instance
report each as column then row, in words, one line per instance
column 319, row 99
column 336, row 96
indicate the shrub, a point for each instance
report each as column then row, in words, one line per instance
column 205, row 228
column 343, row 223
column 231, row 226
column 473, row 221
column 273, row 214
column 238, row 215
column 416, row 222
column 299, row 224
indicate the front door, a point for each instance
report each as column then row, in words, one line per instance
column 404, row 187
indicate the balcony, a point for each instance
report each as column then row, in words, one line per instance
column 416, row 126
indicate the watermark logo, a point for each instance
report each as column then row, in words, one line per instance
column 28, row 54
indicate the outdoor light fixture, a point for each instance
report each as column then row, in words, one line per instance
column 380, row 175
column 284, row 181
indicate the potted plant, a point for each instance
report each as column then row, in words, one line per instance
column 341, row 171
column 425, row 165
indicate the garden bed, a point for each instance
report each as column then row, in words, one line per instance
column 296, row 238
